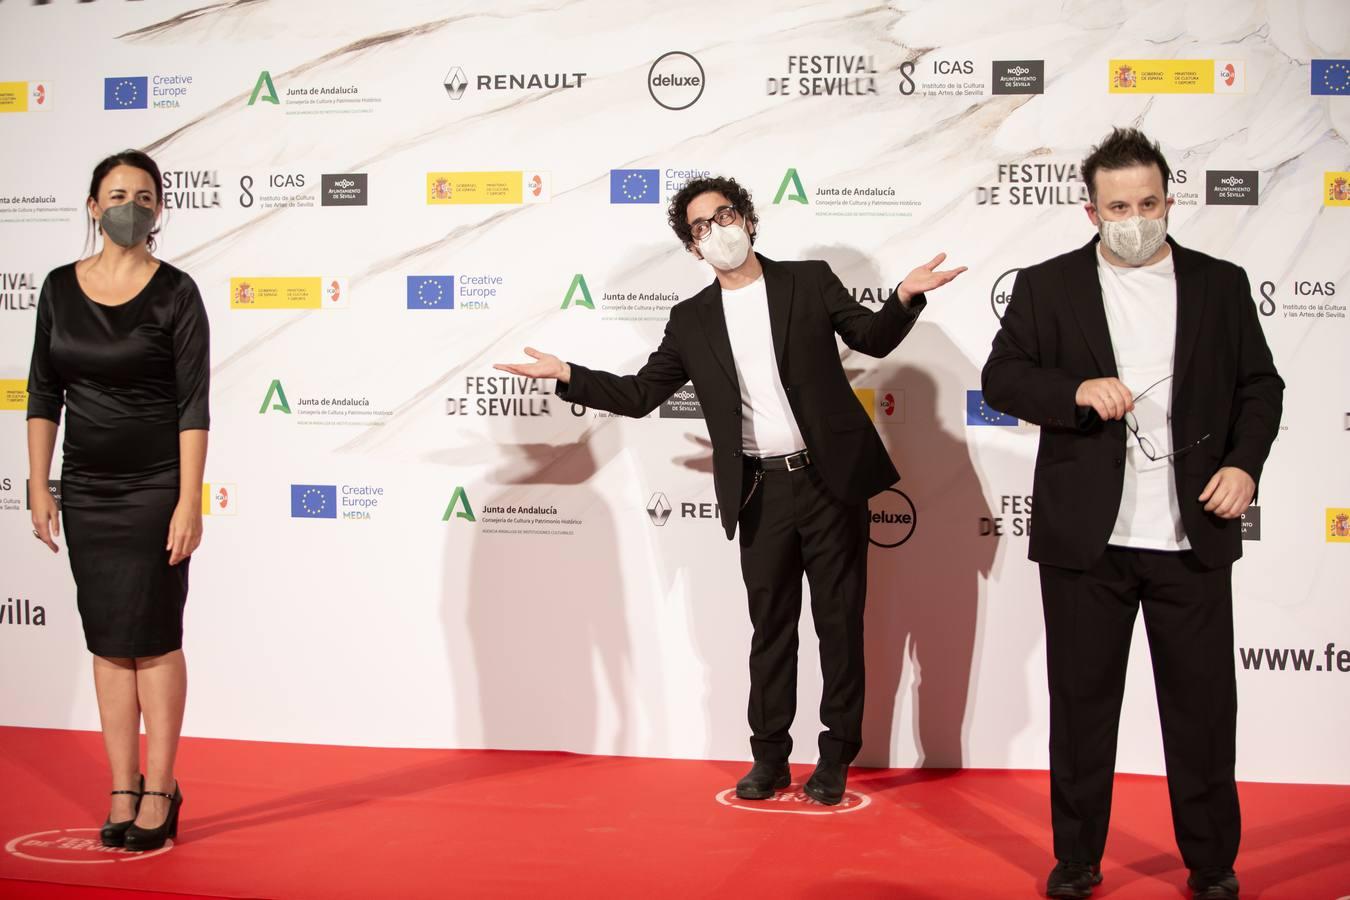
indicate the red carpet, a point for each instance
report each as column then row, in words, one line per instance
column 300, row 821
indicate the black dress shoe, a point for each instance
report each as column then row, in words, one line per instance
column 1068, row 879
column 826, row 784
column 1213, row 884
column 114, row 834
column 140, row 839
column 762, row 780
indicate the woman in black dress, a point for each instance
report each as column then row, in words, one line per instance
column 123, row 343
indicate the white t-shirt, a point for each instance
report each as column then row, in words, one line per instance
column 1141, row 313
column 768, row 427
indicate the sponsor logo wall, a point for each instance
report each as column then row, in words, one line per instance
column 377, row 208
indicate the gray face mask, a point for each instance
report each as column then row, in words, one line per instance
column 127, row 224
column 1135, row 239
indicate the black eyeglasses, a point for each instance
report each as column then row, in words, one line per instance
column 723, row 215
column 1144, row 443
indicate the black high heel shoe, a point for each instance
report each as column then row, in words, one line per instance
column 140, row 839
column 113, row 834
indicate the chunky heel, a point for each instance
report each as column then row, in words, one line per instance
column 142, row 839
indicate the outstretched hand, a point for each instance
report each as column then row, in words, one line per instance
column 546, row 365
column 927, row 277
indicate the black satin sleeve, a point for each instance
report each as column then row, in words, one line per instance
column 46, row 389
column 192, row 358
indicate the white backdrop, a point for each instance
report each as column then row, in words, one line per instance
column 575, row 621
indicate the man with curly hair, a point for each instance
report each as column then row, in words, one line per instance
column 795, row 457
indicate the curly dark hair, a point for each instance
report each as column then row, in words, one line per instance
column 727, row 187
column 1123, row 148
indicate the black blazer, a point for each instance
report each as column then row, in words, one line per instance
column 1054, row 336
column 807, row 306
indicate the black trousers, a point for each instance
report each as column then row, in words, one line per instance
column 1188, row 616
column 792, row 524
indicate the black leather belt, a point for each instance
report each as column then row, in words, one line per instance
column 790, row 463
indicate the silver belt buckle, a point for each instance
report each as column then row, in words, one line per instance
column 806, row 461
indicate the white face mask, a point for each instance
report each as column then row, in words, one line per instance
column 1135, row 239
column 725, row 247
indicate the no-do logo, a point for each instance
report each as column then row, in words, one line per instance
column 676, row 80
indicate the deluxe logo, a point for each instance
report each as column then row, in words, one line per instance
column 793, row 180
column 892, row 517
column 578, row 293
column 22, row 611
column 344, row 190
column 1231, row 188
column 1336, row 188
column 634, row 185
column 978, row 412
column 275, row 399
column 1330, row 76
column 219, row 499
column 18, row 291
column 25, row 96
column 1000, row 295
column 459, row 507
column 658, row 509
column 191, row 188
column 74, row 845
column 1177, row 76
column 13, row 394
column 1021, row 76
column 676, row 80
column 795, row 802
column 321, row 292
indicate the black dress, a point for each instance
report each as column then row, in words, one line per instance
column 131, row 378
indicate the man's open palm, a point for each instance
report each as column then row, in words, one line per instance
column 546, row 365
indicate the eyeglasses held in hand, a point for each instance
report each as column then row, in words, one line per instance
column 1144, row 443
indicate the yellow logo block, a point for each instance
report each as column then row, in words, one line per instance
column 460, row 188
column 1336, row 189
column 1338, row 525
column 13, row 394
column 324, row 292
column 1177, row 76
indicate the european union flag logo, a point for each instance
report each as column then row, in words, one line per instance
column 634, row 185
column 1331, row 76
column 431, row 292
column 980, row 413
column 313, row 501
column 126, row 93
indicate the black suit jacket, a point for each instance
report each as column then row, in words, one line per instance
column 807, row 306
column 1054, row 336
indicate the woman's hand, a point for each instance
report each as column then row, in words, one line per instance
column 46, row 517
column 185, row 531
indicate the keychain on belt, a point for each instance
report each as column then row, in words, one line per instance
column 754, row 486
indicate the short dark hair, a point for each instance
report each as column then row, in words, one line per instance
column 727, row 187
column 137, row 160
column 1124, row 147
